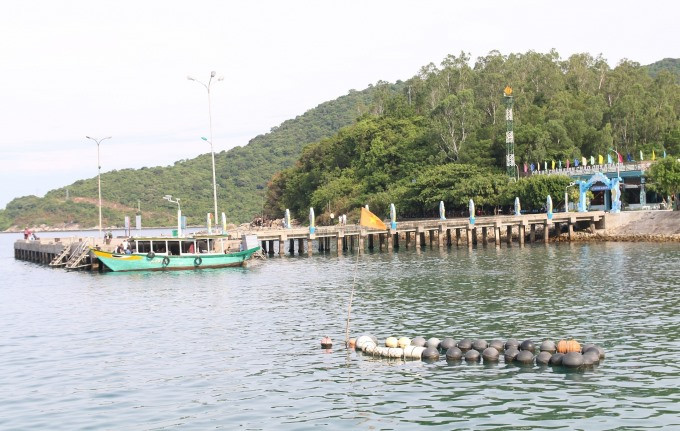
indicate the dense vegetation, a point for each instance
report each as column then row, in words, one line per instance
column 671, row 65
column 242, row 175
column 443, row 136
column 438, row 136
column 665, row 178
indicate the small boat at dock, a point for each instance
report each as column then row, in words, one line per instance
column 166, row 254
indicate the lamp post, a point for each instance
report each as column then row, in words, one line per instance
column 99, row 180
column 207, row 87
column 179, row 213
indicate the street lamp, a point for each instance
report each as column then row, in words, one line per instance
column 213, row 172
column 179, row 213
column 99, row 180
column 207, row 87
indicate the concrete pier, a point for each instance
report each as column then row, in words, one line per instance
column 433, row 233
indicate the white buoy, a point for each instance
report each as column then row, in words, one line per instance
column 413, row 352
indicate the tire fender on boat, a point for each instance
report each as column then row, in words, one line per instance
column 166, row 261
column 198, row 261
column 150, row 255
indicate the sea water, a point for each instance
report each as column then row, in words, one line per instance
column 240, row 348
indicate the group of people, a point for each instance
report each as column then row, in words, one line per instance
column 29, row 234
column 124, row 248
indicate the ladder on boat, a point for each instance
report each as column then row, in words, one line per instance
column 78, row 255
column 59, row 260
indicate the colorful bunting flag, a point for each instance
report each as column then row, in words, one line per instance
column 653, row 156
column 600, row 159
column 553, row 165
column 560, row 162
column 584, row 161
column 641, row 158
column 609, row 159
column 567, row 163
column 576, row 163
column 525, row 167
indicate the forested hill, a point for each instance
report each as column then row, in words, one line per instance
column 671, row 65
column 443, row 138
column 242, row 176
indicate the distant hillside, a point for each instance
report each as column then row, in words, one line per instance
column 671, row 65
column 242, row 176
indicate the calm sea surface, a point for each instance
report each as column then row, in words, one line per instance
column 239, row 348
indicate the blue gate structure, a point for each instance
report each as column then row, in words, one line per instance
column 612, row 185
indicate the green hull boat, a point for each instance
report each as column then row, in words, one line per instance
column 164, row 254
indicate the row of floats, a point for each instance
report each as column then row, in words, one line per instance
column 567, row 353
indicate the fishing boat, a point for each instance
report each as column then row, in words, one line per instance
column 165, row 254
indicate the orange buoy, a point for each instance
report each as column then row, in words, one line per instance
column 326, row 343
column 352, row 343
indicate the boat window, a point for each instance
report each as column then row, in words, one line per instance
column 143, row 246
column 202, row 246
column 188, row 247
column 160, row 247
column 173, row 248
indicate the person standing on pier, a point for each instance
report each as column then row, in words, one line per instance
column 27, row 233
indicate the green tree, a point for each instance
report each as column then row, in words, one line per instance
column 664, row 178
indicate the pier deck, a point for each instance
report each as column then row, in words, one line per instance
column 73, row 253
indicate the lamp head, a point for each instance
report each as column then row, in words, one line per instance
column 221, row 78
column 204, row 138
column 191, row 78
column 167, row 197
column 88, row 137
column 212, row 74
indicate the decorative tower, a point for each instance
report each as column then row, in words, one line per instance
column 509, row 135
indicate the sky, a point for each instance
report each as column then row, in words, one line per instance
column 71, row 69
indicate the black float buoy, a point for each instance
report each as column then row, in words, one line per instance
column 591, row 357
column 543, row 358
column 454, row 354
column 490, row 354
column 556, row 359
column 418, row 341
column 497, row 344
column 464, row 345
column 512, row 342
column 527, row 345
column 572, row 360
column 472, row 355
column 524, row 357
column 510, row 354
column 430, row 354
column 480, row 345
column 598, row 349
column 548, row 346
column 586, row 347
column 446, row 344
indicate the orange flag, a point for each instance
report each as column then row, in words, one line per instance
column 368, row 219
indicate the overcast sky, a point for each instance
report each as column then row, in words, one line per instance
column 119, row 68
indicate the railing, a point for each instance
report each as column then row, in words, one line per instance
column 591, row 169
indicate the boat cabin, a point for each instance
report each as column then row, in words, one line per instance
column 178, row 246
